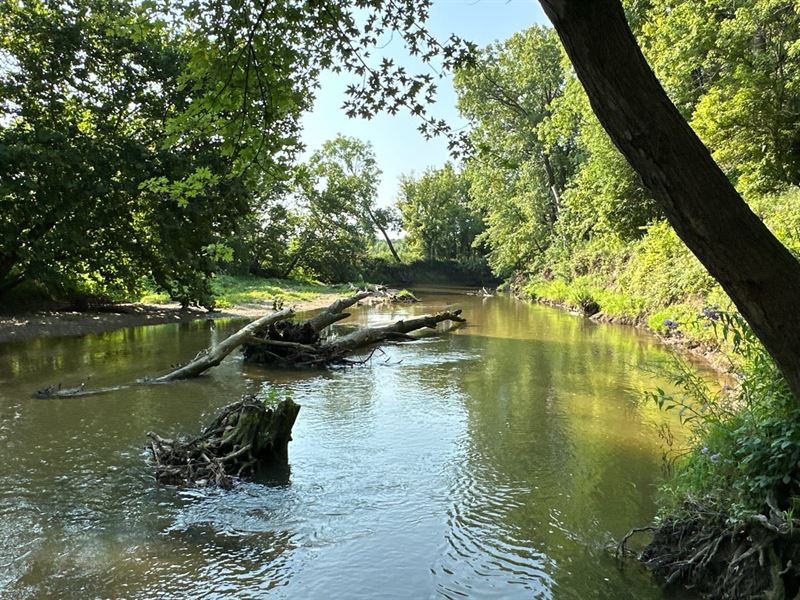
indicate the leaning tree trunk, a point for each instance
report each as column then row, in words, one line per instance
column 298, row 254
column 758, row 273
column 335, row 312
column 385, row 236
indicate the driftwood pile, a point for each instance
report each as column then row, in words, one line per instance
column 248, row 435
column 287, row 344
column 245, row 437
column 381, row 294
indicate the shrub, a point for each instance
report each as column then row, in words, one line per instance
column 745, row 445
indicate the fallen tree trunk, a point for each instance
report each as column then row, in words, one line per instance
column 285, row 334
column 397, row 331
column 335, row 312
column 274, row 340
column 245, row 437
column 335, row 351
column 211, row 357
column 205, row 359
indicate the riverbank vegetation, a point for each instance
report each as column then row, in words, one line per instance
column 139, row 151
column 569, row 221
column 242, row 290
column 156, row 149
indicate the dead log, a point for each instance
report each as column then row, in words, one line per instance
column 335, row 312
column 205, row 359
column 244, row 438
column 335, row 350
column 212, row 356
column 58, row 391
column 397, row 331
column 281, row 339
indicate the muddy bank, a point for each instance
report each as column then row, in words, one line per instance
column 24, row 325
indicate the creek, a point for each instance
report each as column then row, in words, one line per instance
column 497, row 461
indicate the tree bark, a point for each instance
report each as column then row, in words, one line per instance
column 271, row 351
column 758, row 273
column 397, row 331
column 334, row 312
column 555, row 202
column 246, row 437
column 214, row 355
column 206, row 359
column 298, row 254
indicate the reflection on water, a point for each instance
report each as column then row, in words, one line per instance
column 495, row 462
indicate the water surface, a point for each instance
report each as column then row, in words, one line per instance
column 497, row 461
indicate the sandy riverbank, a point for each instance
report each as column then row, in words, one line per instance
column 41, row 323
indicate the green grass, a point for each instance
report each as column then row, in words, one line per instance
column 233, row 290
column 153, row 297
column 582, row 289
column 619, row 305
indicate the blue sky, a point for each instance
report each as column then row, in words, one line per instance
column 399, row 147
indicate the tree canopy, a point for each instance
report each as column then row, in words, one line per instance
column 438, row 216
column 137, row 138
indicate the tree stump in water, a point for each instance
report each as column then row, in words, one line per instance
column 245, row 436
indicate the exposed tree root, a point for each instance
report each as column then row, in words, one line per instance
column 705, row 553
column 245, row 437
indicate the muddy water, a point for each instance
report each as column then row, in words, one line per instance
column 494, row 462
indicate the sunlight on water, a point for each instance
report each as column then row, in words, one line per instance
column 497, row 461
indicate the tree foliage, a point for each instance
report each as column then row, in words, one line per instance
column 733, row 68
column 136, row 136
column 517, row 178
column 438, row 216
column 88, row 91
column 335, row 199
column 544, row 174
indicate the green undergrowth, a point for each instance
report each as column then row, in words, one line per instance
column 654, row 280
column 742, row 458
column 742, row 455
column 679, row 319
column 235, row 290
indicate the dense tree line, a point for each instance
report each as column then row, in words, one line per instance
column 438, row 216
column 119, row 160
column 548, row 180
column 143, row 141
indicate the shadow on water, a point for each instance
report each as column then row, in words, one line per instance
column 495, row 462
